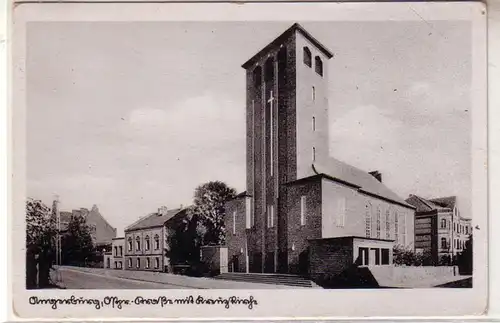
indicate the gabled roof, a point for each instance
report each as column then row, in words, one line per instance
column 448, row 202
column 427, row 205
column 278, row 40
column 154, row 220
column 359, row 179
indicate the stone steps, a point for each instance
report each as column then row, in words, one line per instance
column 276, row 279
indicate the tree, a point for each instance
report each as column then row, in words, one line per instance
column 77, row 243
column 207, row 213
column 40, row 243
column 465, row 261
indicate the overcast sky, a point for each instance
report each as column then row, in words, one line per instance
column 132, row 116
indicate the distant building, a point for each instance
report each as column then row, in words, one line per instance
column 300, row 202
column 439, row 227
column 115, row 258
column 146, row 240
column 101, row 231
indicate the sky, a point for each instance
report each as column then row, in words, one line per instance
column 132, row 116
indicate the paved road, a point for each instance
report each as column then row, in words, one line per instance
column 72, row 279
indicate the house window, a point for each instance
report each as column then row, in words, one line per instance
column 443, row 223
column 157, row 262
column 466, row 230
column 147, row 243
column 313, row 94
column 138, row 244
column 396, row 227
column 307, row 57
column 318, row 65
column 121, row 250
column 129, row 262
column 138, row 263
column 116, row 251
column 129, row 244
column 314, row 124
column 368, row 221
column 270, row 216
column 341, row 212
column 387, row 225
column 234, row 222
column 148, row 263
column 444, row 244
column 378, row 222
column 303, row 210
column 157, row 242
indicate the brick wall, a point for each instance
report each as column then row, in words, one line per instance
column 235, row 241
column 329, row 258
column 298, row 233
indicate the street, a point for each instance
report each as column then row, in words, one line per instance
column 73, row 279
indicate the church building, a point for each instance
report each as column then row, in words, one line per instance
column 304, row 210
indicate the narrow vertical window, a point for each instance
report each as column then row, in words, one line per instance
column 341, row 212
column 443, row 243
column 404, row 229
column 270, row 216
column 148, row 263
column 129, row 262
column 387, row 225
column 303, row 209
column 157, row 262
column 443, row 223
column 314, row 154
column 307, row 57
column 314, row 124
column 234, row 222
column 138, row 264
column 378, row 222
column 318, row 66
column 248, row 212
column 313, row 94
column 396, row 227
column 368, row 221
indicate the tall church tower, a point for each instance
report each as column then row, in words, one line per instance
column 287, row 131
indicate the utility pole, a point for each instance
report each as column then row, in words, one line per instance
column 55, row 211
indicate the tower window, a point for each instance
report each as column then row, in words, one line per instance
column 307, row 57
column 257, row 76
column 313, row 94
column 314, row 124
column 318, row 65
column 314, row 154
column 269, row 69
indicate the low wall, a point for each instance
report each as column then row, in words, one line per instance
column 403, row 273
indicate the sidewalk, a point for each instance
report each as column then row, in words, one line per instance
column 178, row 280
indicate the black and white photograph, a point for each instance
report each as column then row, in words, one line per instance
column 298, row 154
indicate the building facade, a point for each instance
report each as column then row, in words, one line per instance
column 439, row 228
column 295, row 191
column 146, row 241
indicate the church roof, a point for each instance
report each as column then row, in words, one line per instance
column 154, row 220
column 359, row 179
column 282, row 37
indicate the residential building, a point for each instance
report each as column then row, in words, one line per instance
column 146, row 240
column 439, row 228
column 296, row 193
column 101, row 231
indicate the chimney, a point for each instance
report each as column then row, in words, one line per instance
column 162, row 210
column 377, row 175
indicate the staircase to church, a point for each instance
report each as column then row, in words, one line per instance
column 275, row 279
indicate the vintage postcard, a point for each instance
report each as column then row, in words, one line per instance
column 258, row 160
